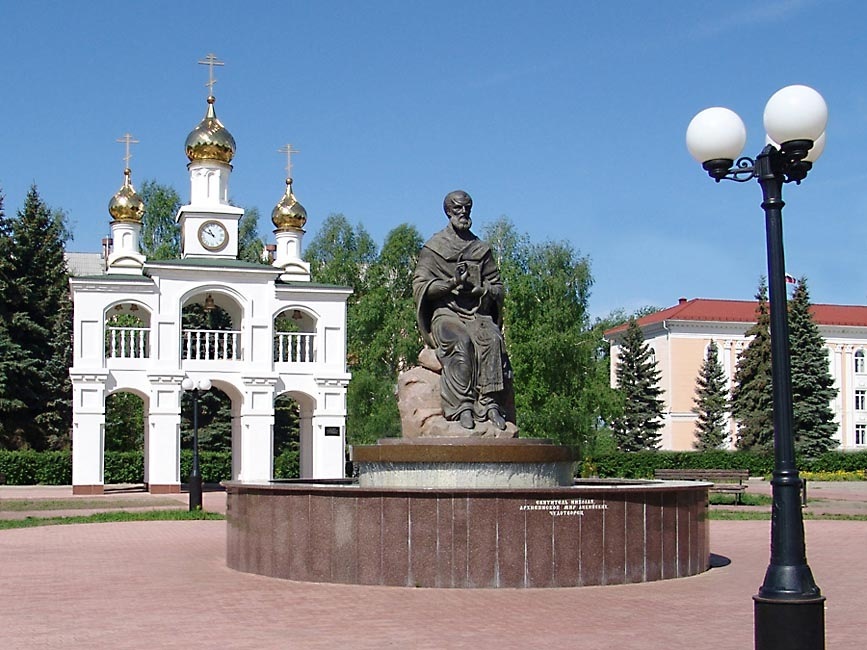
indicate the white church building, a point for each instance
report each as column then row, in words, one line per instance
column 129, row 333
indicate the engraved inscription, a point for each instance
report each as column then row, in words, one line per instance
column 564, row 507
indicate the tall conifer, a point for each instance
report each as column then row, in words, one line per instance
column 752, row 397
column 812, row 385
column 638, row 381
column 711, row 402
column 38, row 322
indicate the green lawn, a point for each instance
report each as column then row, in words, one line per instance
column 109, row 517
column 35, row 505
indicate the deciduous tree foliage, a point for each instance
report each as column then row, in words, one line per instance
column 560, row 371
column 752, row 402
column 382, row 334
column 35, row 333
column 638, row 381
column 160, row 236
column 711, row 402
column 812, row 385
column 250, row 245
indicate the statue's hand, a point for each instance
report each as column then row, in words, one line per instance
column 462, row 274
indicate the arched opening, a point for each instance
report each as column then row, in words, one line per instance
column 294, row 336
column 303, row 405
column 210, row 328
column 127, row 332
column 125, row 444
column 215, row 420
column 860, row 362
column 287, row 437
column 124, row 422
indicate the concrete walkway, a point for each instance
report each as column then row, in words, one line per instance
column 165, row 585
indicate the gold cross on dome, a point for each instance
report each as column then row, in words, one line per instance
column 127, row 139
column 288, row 150
column 211, row 60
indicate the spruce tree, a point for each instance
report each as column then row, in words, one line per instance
column 812, row 385
column 711, row 402
column 38, row 322
column 13, row 361
column 638, row 381
column 752, row 397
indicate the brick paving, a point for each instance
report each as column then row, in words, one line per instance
column 165, row 585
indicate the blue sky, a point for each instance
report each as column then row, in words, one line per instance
column 567, row 117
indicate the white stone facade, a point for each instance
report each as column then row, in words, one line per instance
column 252, row 362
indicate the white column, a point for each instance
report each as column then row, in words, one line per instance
column 328, row 431
column 88, row 431
column 328, row 435
column 253, row 443
column 835, row 367
column 164, row 433
column 256, row 460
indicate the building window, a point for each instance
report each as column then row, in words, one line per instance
column 860, row 435
column 860, row 366
column 861, row 399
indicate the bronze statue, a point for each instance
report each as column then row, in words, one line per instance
column 459, row 296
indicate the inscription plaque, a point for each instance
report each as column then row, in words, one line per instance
column 564, row 507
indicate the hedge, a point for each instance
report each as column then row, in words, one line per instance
column 641, row 464
column 55, row 467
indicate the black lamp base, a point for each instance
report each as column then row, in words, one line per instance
column 789, row 624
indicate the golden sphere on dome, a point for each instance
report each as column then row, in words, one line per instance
column 126, row 204
column 289, row 214
column 210, row 140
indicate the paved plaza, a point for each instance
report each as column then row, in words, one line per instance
column 164, row 584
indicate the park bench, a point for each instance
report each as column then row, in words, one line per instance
column 724, row 481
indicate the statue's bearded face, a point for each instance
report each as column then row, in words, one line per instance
column 458, row 211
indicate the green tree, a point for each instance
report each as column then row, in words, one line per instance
column 36, row 329
column 711, row 402
column 250, row 245
column 14, row 364
column 557, row 356
column 638, row 381
column 124, row 422
column 812, row 384
column 215, row 420
column 344, row 255
column 752, row 403
column 160, row 236
column 340, row 254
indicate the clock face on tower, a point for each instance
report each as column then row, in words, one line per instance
column 213, row 236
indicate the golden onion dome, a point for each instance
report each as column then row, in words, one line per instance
column 288, row 214
column 210, row 140
column 126, row 205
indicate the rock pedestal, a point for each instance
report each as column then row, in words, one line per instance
column 420, row 406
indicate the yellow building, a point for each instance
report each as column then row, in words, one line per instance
column 679, row 337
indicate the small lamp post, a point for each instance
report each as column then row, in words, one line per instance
column 789, row 608
column 195, row 474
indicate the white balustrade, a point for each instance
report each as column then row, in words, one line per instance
column 211, row 345
column 127, row 342
column 294, row 347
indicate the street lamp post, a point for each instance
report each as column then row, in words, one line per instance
column 195, row 474
column 789, row 609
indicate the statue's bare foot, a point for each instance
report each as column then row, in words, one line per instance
column 467, row 421
column 497, row 419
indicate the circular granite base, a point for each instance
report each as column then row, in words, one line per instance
column 590, row 533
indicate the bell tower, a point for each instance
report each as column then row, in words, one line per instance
column 209, row 224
